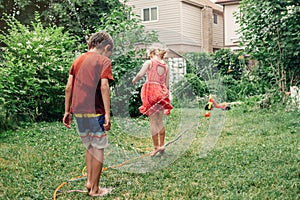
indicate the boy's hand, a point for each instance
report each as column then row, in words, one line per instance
column 67, row 120
column 107, row 124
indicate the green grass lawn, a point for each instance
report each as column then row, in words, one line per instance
column 256, row 157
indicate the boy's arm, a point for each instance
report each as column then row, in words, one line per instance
column 67, row 119
column 105, row 92
column 142, row 72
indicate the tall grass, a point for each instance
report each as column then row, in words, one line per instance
column 256, row 157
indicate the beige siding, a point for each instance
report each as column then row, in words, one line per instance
column 209, row 3
column 231, row 36
column 218, row 36
column 191, row 25
column 168, row 24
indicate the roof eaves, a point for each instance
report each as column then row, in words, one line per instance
column 227, row 2
column 193, row 3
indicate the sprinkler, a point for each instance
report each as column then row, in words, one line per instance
column 207, row 114
column 212, row 103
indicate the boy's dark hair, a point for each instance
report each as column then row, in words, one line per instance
column 99, row 40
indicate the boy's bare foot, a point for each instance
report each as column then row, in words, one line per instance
column 88, row 187
column 100, row 192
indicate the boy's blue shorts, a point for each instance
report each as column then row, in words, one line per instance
column 92, row 133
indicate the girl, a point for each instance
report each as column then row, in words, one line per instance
column 155, row 95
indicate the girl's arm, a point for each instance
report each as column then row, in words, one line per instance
column 168, row 79
column 142, row 72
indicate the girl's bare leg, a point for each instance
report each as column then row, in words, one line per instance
column 157, row 131
column 155, row 141
column 161, row 129
column 154, row 132
column 162, row 135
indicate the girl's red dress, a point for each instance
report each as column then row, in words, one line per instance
column 155, row 94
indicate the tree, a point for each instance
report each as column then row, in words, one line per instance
column 270, row 32
column 78, row 17
column 22, row 10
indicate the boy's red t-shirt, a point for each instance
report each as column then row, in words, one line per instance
column 87, row 71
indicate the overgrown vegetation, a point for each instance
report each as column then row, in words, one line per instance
column 241, row 80
column 34, row 65
column 271, row 35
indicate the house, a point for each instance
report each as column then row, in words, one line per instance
column 231, row 37
column 183, row 25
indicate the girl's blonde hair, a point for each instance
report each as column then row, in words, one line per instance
column 157, row 49
column 99, row 40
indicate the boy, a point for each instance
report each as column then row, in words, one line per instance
column 87, row 90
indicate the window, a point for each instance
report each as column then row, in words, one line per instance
column 150, row 14
column 215, row 19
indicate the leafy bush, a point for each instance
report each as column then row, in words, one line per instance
column 126, row 96
column 198, row 62
column 231, row 87
column 195, row 82
column 228, row 63
column 239, row 80
column 250, row 84
column 186, row 91
column 34, row 69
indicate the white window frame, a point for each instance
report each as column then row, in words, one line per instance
column 149, row 8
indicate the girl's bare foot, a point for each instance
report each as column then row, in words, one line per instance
column 160, row 150
column 154, row 152
column 100, row 192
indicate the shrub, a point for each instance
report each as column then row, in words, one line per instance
column 228, row 63
column 125, row 96
column 34, row 69
column 186, row 91
column 198, row 62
